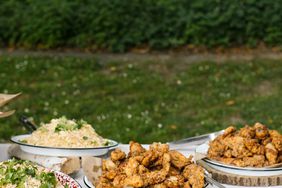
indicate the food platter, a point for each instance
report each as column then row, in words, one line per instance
column 247, row 171
column 58, row 151
column 90, row 185
column 23, row 173
column 66, row 180
column 87, row 182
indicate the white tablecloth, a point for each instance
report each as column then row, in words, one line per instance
column 124, row 147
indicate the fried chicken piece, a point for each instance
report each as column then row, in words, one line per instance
column 218, row 146
column 238, row 162
column 132, row 167
column 195, row 175
column 119, row 180
column 179, row 160
column 266, row 141
column 142, row 169
column 159, row 147
column 111, row 174
column 261, row 130
column 276, row 139
column 108, row 165
column 216, row 149
column 135, row 149
column 174, row 181
column 247, row 132
column 103, row 183
column 228, row 153
column 236, row 144
column 150, row 157
column 157, row 150
column 246, row 161
column 274, row 133
column 271, row 153
column 160, row 185
column 156, row 177
column 187, row 185
column 255, row 161
column 228, row 131
column 226, row 160
column 134, row 181
column 254, row 146
column 279, row 159
column 117, row 155
column 173, row 171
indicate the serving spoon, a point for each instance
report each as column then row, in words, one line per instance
column 193, row 141
column 27, row 123
column 4, row 99
column 6, row 114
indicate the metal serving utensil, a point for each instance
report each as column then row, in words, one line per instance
column 27, row 124
column 213, row 182
column 208, row 177
column 193, row 141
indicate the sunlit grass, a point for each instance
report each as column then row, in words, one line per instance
column 143, row 101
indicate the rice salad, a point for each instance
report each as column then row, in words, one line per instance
column 65, row 133
column 24, row 174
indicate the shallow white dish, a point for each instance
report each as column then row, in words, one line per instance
column 246, row 171
column 52, row 151
column 87, row 182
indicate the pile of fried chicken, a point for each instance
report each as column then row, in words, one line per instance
column 157, row 167
column 251, row 146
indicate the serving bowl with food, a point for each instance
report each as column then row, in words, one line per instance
column 157, row 166
column 25, row 174
column 251, row 151
column 64, row 137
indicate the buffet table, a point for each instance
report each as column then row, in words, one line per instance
column 124, row 147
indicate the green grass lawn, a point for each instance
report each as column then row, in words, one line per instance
column 143, row 101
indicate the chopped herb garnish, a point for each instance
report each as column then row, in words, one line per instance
column 85, row 138
column 80, row 123
column 107, row 143
column 93, row 142
column 43, row 129
column 67, row 125
column 30, row 171
column 61, row 127
column 47, row 179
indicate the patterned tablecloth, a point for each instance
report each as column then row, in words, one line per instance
column 124, row 147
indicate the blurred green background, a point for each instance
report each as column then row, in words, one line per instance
column 142, row 99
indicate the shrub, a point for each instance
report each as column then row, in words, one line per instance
column 117, row 26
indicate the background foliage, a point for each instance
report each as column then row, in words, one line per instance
column 117, row 26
